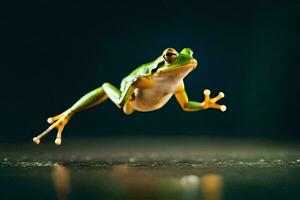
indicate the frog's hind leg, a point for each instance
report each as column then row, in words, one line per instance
column 91, row 99
column 118, row 97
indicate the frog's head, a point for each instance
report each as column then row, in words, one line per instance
column 174, row 61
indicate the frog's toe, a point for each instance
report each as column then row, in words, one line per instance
column 60, row 128
column 218, row 97
column 50, row 120
column 221, row 95
column 58, row 141
column 206, row 93
column 219, row 107
column 36, row 140
column 59, row 124
column 223, row 108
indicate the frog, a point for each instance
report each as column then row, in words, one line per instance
column 147, row 88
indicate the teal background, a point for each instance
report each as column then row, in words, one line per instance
column 52, row 53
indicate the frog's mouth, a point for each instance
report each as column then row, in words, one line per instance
column 191, row 65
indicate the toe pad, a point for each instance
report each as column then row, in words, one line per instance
column 36, row 140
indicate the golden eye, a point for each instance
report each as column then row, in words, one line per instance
column 170, row 54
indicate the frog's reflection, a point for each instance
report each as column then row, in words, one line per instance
column 128, row 182
column 149, row 185
column 211, row 186
column 61, row 181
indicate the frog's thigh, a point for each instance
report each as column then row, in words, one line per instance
column 112, row 92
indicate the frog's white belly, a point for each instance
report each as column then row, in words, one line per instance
column 149, row 99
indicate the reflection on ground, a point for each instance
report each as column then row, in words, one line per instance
column 61, row 182
column 151, row 169
column 129, row 183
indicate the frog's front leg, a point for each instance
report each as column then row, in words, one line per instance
column 208, row 102
column 89, row 100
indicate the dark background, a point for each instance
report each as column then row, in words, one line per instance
column 53, row 53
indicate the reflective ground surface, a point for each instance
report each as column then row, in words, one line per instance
column 151, row 168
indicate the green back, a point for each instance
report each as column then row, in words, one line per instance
column 141, row 71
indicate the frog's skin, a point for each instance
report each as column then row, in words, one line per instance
column 147, row 88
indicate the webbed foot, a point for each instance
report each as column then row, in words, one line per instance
column 58, row 122
column 212, row 102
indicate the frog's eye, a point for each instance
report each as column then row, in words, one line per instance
column 170, row 55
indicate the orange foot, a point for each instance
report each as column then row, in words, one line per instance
column 58, row 122
column 212, row 102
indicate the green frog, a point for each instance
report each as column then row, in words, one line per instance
column 149, row 87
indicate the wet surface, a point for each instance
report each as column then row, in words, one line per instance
column 151, row 168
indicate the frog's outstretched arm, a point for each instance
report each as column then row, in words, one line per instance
column 89, row 100
column 208, row 102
